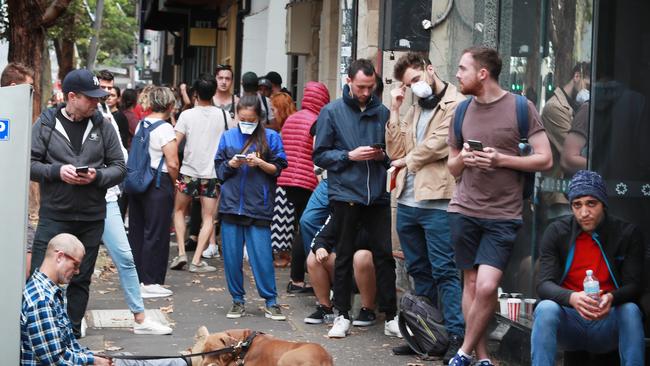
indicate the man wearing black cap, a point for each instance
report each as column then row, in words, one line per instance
column 276, row 83
column 590, row 239
column 250, row 84
column 76, row 156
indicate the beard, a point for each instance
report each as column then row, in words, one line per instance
column 473, row 87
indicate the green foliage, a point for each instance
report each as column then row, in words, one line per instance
column 116, row 37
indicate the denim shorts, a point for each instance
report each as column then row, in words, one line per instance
column 197, row 187
column 482, row 241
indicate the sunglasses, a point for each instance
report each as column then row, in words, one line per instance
column 77, row 263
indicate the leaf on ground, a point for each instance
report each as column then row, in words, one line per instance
column 167, row 309
column 196, row 300
column 215, row 289
column 114, row 348
column 196, row 281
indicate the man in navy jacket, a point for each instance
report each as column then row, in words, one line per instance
column 350, row 145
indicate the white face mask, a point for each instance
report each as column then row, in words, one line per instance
column 247, row 128
column 421, row 89
column 583, row 96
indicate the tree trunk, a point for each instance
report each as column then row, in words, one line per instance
column 64, row 56
column 563, row 23
column 26, row 40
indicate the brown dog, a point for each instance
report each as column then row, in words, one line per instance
column 265, row 350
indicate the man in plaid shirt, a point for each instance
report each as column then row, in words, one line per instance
column 46, row 336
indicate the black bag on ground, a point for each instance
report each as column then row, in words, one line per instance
column 422, row 326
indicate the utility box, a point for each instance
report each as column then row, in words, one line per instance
column 15, row 154
column 299, row 28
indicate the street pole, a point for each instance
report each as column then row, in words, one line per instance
column 92, row 49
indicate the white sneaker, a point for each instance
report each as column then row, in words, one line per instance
column 151, row 327
column 391, row 328
column 341, row 327
column 211, row 252
column 154, row 290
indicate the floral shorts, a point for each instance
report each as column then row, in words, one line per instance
column 195, row 187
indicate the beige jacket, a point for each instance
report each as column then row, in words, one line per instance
column 428, row 159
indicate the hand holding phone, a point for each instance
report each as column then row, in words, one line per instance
column 475, row 145
column 240, row 156
column 81, row 169
column 379, row 145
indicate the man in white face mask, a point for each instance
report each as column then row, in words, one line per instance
column 417, row 144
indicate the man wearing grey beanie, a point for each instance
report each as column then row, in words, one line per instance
column 590, row 239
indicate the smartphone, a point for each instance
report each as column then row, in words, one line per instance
column 240, row 156
column 379, row 145
column 475, row 145
column 81, row 169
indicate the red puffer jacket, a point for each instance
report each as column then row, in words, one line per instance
column 298, row 142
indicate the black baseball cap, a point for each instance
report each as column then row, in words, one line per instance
column 249, row 79
column 84, row 82
column 265, row 82
column 274, row 78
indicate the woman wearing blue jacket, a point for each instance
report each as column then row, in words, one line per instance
column 249, row 160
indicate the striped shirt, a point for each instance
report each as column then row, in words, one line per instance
column 46, row 336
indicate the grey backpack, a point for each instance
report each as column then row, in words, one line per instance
column 422, row 326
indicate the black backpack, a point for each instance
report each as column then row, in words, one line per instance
column 422, row 326
column 522, row 124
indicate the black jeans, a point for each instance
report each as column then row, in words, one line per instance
column 348, row 219
column 150, row 217
column 299, row 198
column 90, row 234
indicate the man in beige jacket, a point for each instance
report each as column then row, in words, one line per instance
column 417, row 145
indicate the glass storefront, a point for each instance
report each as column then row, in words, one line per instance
column 585, row 66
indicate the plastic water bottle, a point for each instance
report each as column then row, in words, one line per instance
column 591, row 285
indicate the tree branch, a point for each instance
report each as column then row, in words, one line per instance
column 53, row 12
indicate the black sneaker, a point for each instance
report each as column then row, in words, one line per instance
column 295, row 289
column 365, row 318
column 454, row 344
column 318, row 316
column 190, row 245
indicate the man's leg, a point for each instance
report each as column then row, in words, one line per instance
column 413, row 242
column 299, row 197
column 631, row 342
column 364, row 275
column 136, row 232
column 481, row 309
column 90, row 234
column 181, row 202
column 345, row 218
column 314, row 215
column 443, row 269
column 45, row 231
column 376, row 220
column 543, row 341
column 208, row 209
column 321, row 278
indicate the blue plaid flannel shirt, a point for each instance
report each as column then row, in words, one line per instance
column 46, row 336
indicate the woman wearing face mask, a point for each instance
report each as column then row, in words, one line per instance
column 248, row 162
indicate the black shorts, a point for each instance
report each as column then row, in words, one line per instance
column 482, row 241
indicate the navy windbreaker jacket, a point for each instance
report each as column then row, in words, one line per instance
column 342, row 127
column 248, row 191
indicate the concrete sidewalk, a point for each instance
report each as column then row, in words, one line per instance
column 203, row 299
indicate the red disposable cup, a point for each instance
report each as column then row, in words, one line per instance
column 514, row 307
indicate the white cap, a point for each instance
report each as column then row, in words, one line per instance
column 590, row 272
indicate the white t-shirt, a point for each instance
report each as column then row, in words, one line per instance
column 158, row 138
column 202, row 127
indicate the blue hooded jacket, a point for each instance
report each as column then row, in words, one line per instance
column 341, row 128
column 248, row 191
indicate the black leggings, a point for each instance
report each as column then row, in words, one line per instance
column 299, row 198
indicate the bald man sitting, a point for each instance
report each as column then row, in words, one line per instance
column 45, row 330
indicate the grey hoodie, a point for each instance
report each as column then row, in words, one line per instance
column 51, row 149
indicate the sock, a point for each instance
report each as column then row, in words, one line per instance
column 344, row 314
column 461, row 353
column 390, row 316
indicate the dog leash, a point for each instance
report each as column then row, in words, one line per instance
column 240, row 349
